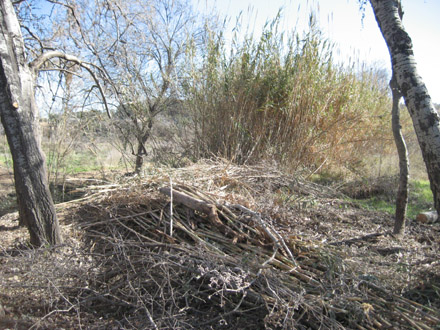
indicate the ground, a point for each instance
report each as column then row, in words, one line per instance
column 328, row 234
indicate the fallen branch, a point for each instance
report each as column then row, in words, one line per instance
column 195, row 204
column 202, row 207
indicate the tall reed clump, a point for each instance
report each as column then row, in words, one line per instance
column 284, row 99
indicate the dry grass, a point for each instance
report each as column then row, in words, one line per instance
column 284, row 98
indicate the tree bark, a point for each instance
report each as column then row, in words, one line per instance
column 19, row 117
column 141, row 150
column 139, row 163
column 425, row 118
column 402, row 193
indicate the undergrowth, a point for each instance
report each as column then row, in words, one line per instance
column 420, row 198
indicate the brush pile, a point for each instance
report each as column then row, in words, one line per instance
column 197, row 253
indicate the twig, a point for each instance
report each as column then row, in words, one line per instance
column 273, row 234
column 36, row 324
column 359, row 239
column 171, row 206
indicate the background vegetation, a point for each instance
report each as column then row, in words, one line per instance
column 267, row 96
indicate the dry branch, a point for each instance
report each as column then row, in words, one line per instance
column 203, row 207
column 195, row 204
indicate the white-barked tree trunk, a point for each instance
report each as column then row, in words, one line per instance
column 19, row 117
column 425, row 118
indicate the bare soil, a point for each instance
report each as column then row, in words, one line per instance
column 40, row 288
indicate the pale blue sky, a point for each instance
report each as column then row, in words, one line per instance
column 341, row 21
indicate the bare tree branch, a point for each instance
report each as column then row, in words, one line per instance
column 39, row 61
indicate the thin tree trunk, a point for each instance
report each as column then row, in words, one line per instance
column 141, row 150
column 19, row 118
column 425, row 118
column 140, row 153
column 402, row 193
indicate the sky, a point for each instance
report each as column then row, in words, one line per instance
column 355, row 38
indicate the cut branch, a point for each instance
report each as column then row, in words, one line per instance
column 203, row 207
column 195, row 204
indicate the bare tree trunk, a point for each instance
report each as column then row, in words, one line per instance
column 425, row 118
column 19, row 118
column 402, row 193
column 141, row 150
column 140, row 153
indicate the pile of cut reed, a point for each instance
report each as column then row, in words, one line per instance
column 169, row 255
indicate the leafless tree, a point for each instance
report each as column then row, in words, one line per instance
column 19, row 118
column 424, row 116
column 19, row 115
column 140, row 46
